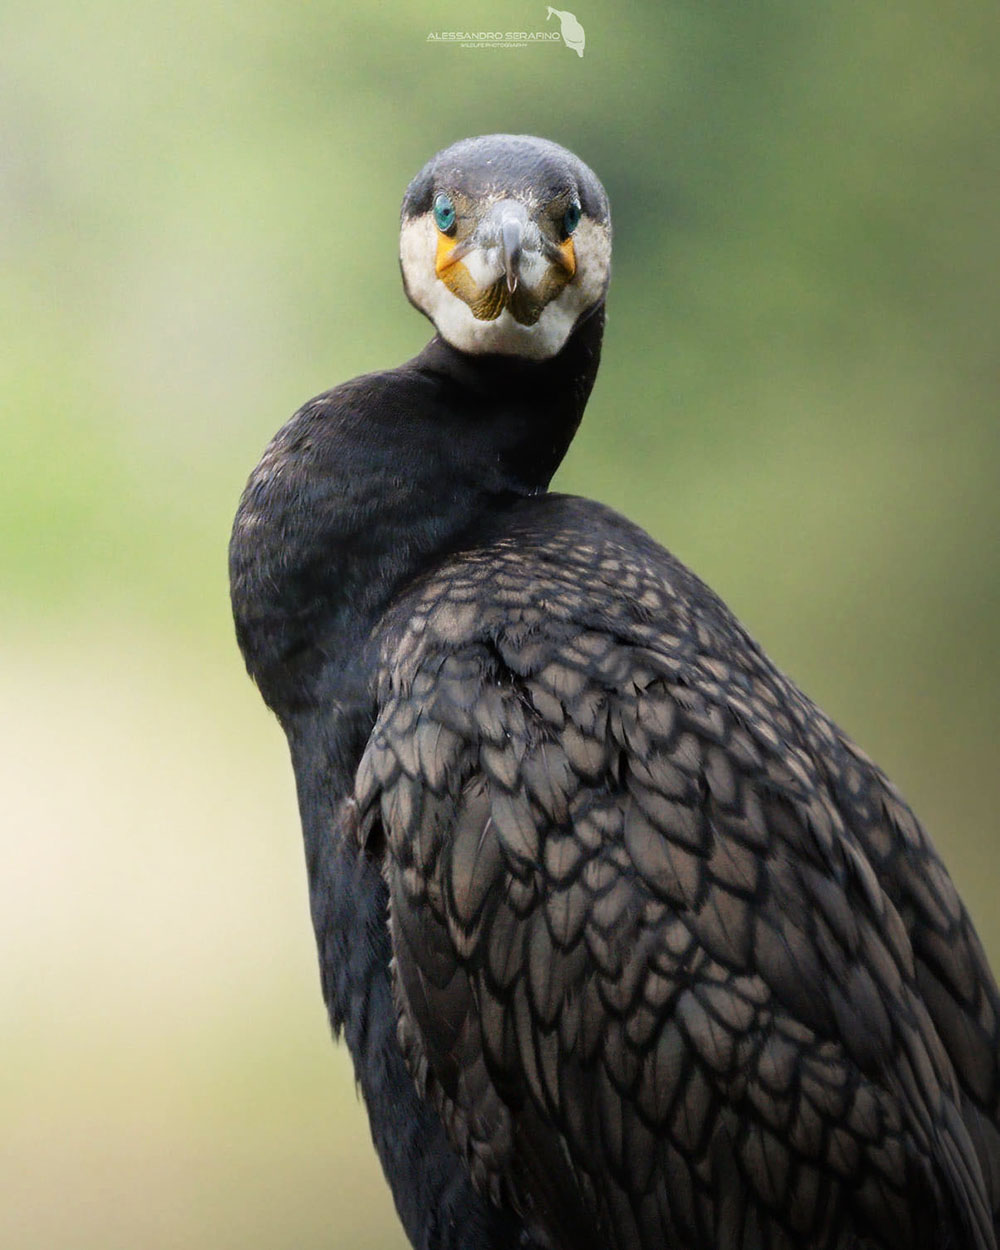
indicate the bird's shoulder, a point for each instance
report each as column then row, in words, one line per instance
column 550, row 568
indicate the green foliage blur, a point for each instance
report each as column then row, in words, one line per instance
column 198, row 215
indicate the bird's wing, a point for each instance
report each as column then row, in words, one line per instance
column 644, row 960
column 952, row 973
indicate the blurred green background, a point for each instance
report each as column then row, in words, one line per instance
column 198, row 214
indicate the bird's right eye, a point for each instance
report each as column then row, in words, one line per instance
column 444, row 212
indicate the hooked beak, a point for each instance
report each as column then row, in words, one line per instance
column 506, row 233
column 501, row 233
column 509, row 263
column 511, row 233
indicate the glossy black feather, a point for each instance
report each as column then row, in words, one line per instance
column 675, row 914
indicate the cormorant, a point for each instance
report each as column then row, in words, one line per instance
column 631, row 946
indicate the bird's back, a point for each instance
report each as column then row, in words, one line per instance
column 673, row 958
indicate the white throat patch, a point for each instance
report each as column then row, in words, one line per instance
column 453, row 318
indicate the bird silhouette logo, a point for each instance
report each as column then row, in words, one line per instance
column 570, row 28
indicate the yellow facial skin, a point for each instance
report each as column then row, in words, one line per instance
column 487, row 303
column 569, row 256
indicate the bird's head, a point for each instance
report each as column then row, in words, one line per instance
column 505, row 243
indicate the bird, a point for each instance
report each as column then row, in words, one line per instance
column 571, row 30
column 631, row 945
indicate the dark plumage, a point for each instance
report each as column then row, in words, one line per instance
column 631, row 946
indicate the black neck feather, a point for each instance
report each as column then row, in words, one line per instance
column 371, row 481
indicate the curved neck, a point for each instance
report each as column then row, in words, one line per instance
column 528, row 409
column 370, row 482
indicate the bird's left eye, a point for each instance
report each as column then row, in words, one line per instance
column 444, row 212
column 572, row 218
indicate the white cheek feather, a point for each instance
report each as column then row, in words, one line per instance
column 453, row 318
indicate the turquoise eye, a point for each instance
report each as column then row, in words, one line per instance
column 444, row 212
column 572, row 218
